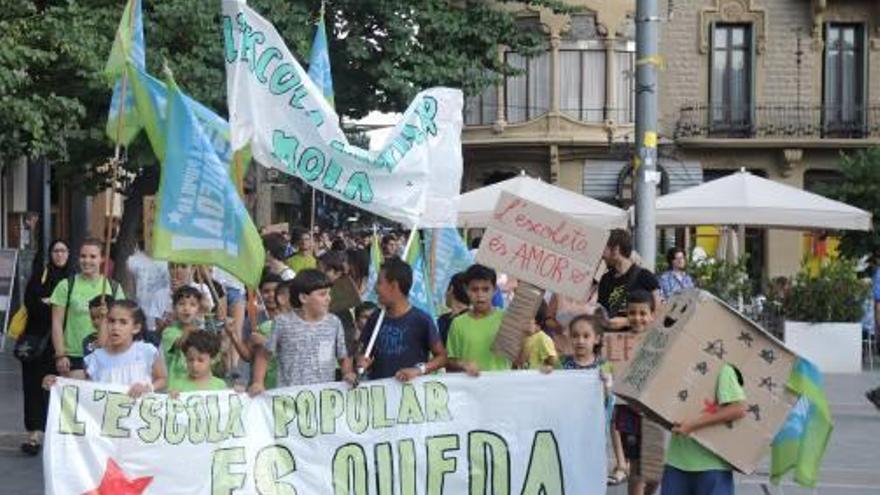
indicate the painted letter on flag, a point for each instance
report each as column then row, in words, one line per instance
column 274, row 106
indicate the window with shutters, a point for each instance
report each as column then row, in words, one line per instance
column 730, row 92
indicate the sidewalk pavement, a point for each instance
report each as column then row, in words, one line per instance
column 851, row 467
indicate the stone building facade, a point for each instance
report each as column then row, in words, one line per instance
column 779, row 87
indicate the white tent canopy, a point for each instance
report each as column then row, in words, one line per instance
column 475, row 208
column 745, row 199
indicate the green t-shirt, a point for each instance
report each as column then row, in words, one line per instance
column 187, row 385
column 79, row 324
column 684, row 452
column 470, row 339
column 265, row 330
column 174, row 358
column 299, row 262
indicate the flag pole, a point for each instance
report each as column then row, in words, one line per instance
column 381, row 319
column 110, row 194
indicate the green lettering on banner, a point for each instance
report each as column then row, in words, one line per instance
column 299, row 94
column 311, row 164
column 273, row 463
column 438, row 464
column 488, row 453
column 406, row 458
column 427, row 111
column 117, row 407
column 174, row 431
column 229, row 40
column 437, row 402
column 235, row 424
column 384, row 469
column 284, row 148
column 249, row 41
column 332, row 408
column 380, row 407
column 359, row 187
column 215, row 434
column 67, row 422
column 283, row 413
column 149, row 413
column 307, row 413
column 263, row 62
column 410, row 410
column 198, row 424
column 544, row 474
column 357, row 410
column 331, row 177
column 223, row 480
column 350, row 470
column 284, row 78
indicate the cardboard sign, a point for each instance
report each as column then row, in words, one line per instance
column 619, row 349
column 542, row 246
column 510, row 337
column 674, row 374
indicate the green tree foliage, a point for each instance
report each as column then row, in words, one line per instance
column 860, row 187
column 832, row 294
column 382, row 52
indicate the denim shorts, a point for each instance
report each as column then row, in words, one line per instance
column 714, row 482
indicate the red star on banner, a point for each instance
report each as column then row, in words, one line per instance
column 710, row 407
column 114, row 482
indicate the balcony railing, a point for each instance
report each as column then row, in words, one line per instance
column 778, row 121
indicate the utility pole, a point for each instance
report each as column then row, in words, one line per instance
column 645, row 162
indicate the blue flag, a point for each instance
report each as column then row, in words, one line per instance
column 200, row 217
column 449, row 255
column 420, row 292
column 801, row 442
column 319, row 61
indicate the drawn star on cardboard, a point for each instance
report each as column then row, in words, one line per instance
column 115, row 482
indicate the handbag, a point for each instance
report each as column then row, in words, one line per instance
column 18, row 323
column 28, row 347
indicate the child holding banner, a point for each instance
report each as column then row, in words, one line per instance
column 307, row 342
column 122, row 360
column 472, row 334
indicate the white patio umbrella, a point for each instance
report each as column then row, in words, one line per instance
column 475, row 207
column 746, row 199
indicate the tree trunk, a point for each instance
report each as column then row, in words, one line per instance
column 145, row 184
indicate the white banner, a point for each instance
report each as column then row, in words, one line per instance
column 518, row 433
column 274, row 106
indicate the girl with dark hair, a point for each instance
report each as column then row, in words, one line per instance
column 39, row 328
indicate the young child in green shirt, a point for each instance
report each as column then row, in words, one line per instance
column 471, row 334
column 691, row 468
column 200, row 349
column 187, row 302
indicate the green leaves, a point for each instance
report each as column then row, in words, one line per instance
column 382, row 52
column 834, row 293
column 860, row 187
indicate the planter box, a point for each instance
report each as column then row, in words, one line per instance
column 833, row 347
